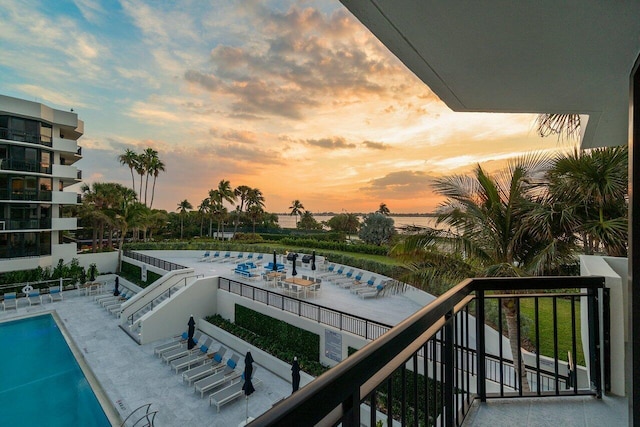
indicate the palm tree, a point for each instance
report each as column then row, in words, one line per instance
column 565, row 126
column 183, row 207
column 155, row 167
column 296, row 209
column 255, row 212
column 592, row 187
column 492, row 235
column 383, row 209
column 147, row 158
column 241, row 192
column 204, row 209
column 225, row 194
column 131, row 159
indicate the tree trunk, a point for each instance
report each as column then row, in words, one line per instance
column 94, row 237
column 509, row 306
column 153, row 192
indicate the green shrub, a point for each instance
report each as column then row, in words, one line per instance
column 281, row 350
column 72, row 271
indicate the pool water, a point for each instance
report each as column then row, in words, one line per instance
column 41, row 383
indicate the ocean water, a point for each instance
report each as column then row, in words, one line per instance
column 288, row 221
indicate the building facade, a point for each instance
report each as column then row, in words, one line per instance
column 38, row 150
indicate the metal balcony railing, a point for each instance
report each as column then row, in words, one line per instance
column 430, row 368
column 24, row 166
column 26, row 195
column 14, row 135
column 156, row 262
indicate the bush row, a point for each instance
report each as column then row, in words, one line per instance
column 282, row 351
column 71, row 271
column 336, row 246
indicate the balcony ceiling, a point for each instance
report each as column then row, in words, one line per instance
column 546, row 56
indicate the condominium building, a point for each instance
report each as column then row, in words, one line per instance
column 38, row 148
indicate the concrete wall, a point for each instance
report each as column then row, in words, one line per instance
column 226, row 308
column 614, row 271
column 262, row 358
column 170, row 317
column 106, row 262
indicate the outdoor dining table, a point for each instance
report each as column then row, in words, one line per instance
column 273, row 277
column 304, row 283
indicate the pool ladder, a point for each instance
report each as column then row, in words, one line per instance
column 142, row 416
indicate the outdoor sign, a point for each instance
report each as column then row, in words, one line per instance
column 333, row 345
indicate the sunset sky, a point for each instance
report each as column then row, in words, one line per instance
column 296, row 98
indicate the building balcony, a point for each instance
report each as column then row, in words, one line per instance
column 23, row 166
column 26, row 195
column 25, row 224
column 12, row 135
column 442, row 363
column 65, row 172
column 65, row 197
column 65, row 145
column 60, row 224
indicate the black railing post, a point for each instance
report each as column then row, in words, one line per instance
column 480, row 347
column 606, row 335
column 594, row 341
column 449, row 408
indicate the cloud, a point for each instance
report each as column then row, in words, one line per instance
column 400, row 185
column 376, row 145
column 91, row 10
column 330, row 143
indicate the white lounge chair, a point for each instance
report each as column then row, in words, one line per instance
column 229, row 393
column 180, row 339
column 205, row 257
column 194, row 358
column 209, row 367
column 165, row 348
column 223, row 376
column 10, row 301
column 183, row 350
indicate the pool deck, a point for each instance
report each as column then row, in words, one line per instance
column 131, row 375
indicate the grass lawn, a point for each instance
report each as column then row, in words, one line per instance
column 545, row 318
column 383, row 259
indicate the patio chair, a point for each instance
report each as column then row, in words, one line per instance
column 194, row 358
column 215, row 257
column 227, row 374
column 209, row 367
column 10, row 301
column 55, row 294
column 355, row 281
column 34, row 297
column 179, row 339
column 160, row 351
column 372, row 293
column 205, row 257
column 230, row 393
column 179, row 352
column 314, row 289
column 368, row 285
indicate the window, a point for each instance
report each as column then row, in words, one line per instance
column 45, row 161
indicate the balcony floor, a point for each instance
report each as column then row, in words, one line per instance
column 552, row 411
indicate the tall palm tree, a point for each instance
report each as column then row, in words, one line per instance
column 148, row 158
column 241, row 192
column 226, row 194
column 183, row 207
column 296, row 209
column 383, row 209
column 131, row 159
column 156, row 166
column 255, row 212
column 204, row 209
column 592, row 185
column 489, row 220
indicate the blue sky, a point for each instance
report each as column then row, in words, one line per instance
column 296, row 98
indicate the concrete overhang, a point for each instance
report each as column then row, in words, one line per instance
column 546, row 56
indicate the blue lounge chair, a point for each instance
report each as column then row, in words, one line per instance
column 55, row 294
column 209, row 367
column 227, row 374
column 10, row 301
column 34, row 297
column 193, row 358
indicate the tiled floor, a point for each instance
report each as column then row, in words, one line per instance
column 584, row 411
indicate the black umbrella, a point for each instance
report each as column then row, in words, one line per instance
column 313, row 264
column 295, row 375
column 247, row 387
column 192, row 329
column 275, row 262
column 116, row 291
column 294, row 273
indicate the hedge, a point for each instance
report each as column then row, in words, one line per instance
column 133, row 273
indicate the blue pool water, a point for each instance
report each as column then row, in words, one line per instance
column 41, row 384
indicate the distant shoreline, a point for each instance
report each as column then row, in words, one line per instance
column 427, row 214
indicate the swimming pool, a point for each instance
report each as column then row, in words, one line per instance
column 41, row 382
